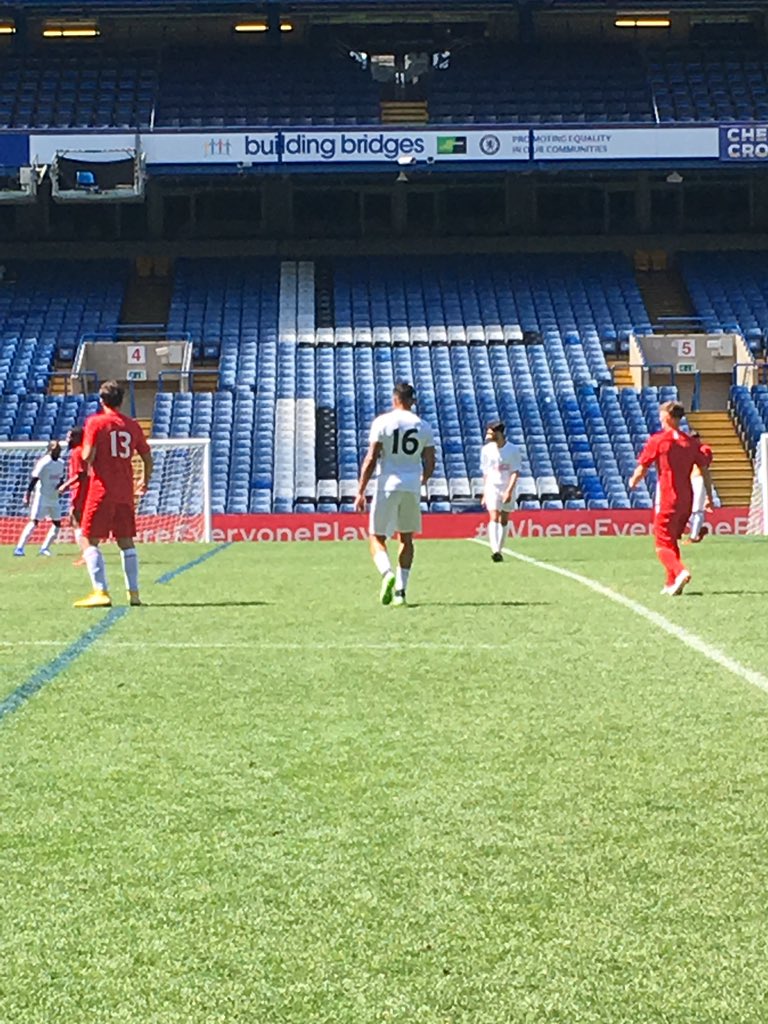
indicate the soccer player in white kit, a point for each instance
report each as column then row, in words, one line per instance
column 43, row 498
column 500, row 462
column 698, row 531
column 401, row 453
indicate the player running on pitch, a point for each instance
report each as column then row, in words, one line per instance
column 402, row 456
column 42, row 496
column 674, row 453
column 77, row 482
column 500, row 462
column 110, row 440
column 698, row 531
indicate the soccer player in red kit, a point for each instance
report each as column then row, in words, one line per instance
column 110, row 441
column 674, row 454
column 77, row 482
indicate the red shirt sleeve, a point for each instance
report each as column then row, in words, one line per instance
column 650, row 452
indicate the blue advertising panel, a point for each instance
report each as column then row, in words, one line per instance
column 14, row 150
column 744, row 142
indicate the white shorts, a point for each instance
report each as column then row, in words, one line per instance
column 699, row 493
column 40, row 509
column 395, row 512
column 492, row 497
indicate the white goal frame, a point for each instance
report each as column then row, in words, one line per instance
column 758, row 508
column 156, row 445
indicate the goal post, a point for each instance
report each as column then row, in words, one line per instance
column 758, row 506
column 176, row 507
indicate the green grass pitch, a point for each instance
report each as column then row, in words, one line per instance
column 265, row 799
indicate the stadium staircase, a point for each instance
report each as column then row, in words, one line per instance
column 663, row 290
column 404, row 112
column 732, row 467
column 622, row 375
column 148, row 293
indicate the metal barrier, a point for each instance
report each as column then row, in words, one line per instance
column 185, row 376
column 84, row 377
column 759, row 373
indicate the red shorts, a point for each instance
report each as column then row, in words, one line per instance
column 102, row 517
column 669, row 525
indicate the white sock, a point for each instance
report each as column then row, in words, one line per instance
column 504, row 532
column 78, row 534
column 494, row 535
column 697, row 521
column 96, row 568
column 51, row 536
column 26, row 533
column 131, row 568
column 401, row 578
column 382, row 563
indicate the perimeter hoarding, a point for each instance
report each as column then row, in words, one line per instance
column 465, row 526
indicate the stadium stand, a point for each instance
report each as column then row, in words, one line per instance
column 45, row 308
column 289, row 423
column 557, row 85
column 241, row 88
column 79, row 90
column 730, row 292
column 709, row 84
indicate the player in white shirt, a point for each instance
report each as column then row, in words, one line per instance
column 500, row 462
column 43, row 498
column 401, row 454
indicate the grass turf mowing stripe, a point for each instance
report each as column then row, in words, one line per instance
column 47, row 673
column 267, row 645
column 691, row 640
column 167, row 577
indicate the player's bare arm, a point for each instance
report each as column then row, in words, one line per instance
column 70, row 482
column 511, row 488
column 372, row 457
column 427, row 463
column 30, row 489
column 639, row 474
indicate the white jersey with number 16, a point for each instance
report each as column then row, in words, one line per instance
column 403, row 437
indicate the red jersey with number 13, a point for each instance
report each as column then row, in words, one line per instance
column 115, row 438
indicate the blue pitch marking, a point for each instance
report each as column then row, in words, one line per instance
column 168, row 576
column 47, row 673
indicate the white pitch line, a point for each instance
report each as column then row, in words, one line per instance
column 691, row 640
column 323, row 645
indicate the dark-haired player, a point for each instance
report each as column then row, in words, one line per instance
column 674, row 453
column 77, row 483
column 110, row 440
column 500, row 462
column 401, row 453
column 42, row 496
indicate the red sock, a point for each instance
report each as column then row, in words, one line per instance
column 670, row 559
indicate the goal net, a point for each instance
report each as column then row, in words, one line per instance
column 176, row 507
column 758, row 506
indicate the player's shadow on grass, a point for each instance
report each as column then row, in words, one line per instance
column 208, row 604
column 726, row 593
column 484, row 604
